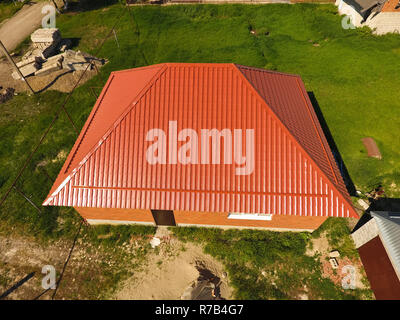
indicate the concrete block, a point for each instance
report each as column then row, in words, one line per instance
column 31, row 59
column 334, row 263
column 56, row 58
column 27, row 54
column 49, row 50
column 26, row 70
column 45, row 35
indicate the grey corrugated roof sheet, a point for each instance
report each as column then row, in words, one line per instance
column 389, row 229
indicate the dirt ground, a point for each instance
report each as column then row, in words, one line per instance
column 22, row 256
column 165, row 273
column 171, row 269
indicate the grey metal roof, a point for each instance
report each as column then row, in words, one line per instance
column 389, row 228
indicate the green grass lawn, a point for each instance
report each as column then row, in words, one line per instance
column 353, row 75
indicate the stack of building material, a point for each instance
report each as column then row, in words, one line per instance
column 75, row 60
column 52, row 64
column 46, row 40
column 43, row 60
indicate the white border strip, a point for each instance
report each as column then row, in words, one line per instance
column 250, row 216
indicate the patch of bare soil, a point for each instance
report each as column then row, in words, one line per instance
column 20, row 257
column 171, row 269
column 62, row 80
column 91, row 273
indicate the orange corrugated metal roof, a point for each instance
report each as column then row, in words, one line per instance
column 294, row 170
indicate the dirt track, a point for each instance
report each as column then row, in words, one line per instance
column 169, row 271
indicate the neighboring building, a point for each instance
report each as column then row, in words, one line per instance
column 203, row 144
column 377, row 238
column 383, row 16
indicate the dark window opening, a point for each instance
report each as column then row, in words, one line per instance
column 164, row 217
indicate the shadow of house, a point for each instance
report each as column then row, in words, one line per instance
column 335, row 151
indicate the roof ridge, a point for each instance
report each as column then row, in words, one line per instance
column 384, row 215
column 153, row 66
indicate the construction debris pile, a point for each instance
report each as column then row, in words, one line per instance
column 50, row 53
column 6, row 94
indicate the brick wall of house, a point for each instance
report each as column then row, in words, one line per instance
column 221, row 219
column 203, row 219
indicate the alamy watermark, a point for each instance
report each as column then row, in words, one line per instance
column 49, row 20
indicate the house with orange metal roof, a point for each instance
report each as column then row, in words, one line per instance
column 203, row 144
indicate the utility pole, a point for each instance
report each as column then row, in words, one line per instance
column 3, row 48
